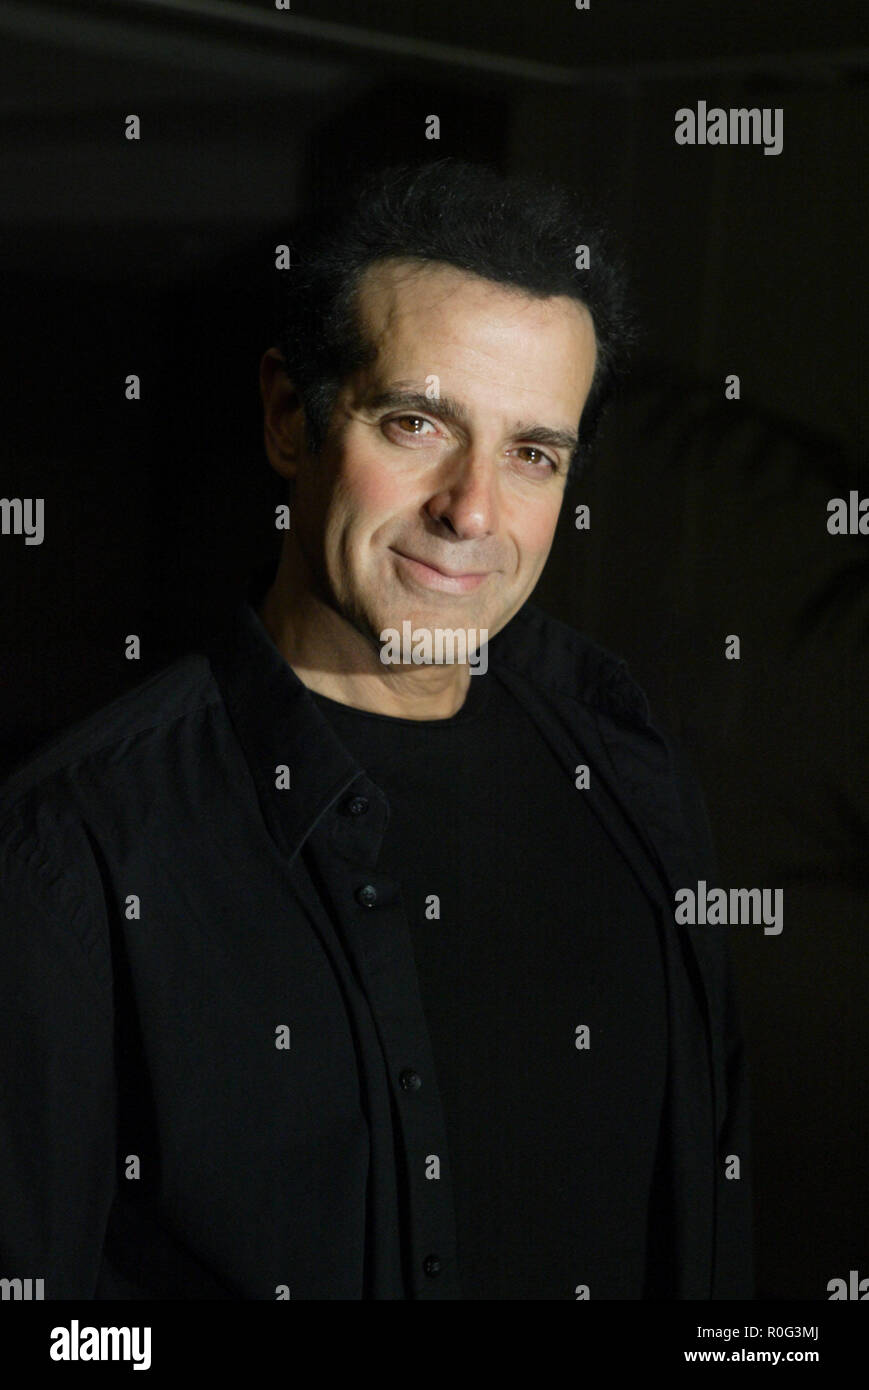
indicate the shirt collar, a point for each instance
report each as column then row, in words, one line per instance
column 279, row 725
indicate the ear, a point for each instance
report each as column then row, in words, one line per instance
column 283, row 415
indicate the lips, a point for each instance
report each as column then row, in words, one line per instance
column 423, row 574
column 448, row 574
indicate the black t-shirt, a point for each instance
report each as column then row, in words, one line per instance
column 527, row 924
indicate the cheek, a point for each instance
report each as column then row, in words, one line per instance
column 364, row 501
column 535, row 528
column 370, row 492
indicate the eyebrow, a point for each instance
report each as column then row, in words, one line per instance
column 452, row 411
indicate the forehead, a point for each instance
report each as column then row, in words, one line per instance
column 396, row 298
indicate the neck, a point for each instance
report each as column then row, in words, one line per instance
column 339, row 660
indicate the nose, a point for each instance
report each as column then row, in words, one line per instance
column 467, row 503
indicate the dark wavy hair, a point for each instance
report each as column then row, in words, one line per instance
column 512, row 230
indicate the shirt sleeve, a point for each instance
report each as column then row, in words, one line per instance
column 733, row 1273
column 57, row 1084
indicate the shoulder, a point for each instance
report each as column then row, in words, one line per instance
column 103, row 767
column 102, row 770
column 149, row 710
column 569, row 668
column 559, row 659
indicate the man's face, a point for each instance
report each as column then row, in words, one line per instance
column 441, row 510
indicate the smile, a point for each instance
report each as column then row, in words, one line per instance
column 431, row 577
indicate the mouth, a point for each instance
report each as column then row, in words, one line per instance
column 436, row 577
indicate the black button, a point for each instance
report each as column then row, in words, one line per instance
column 366, row 895
column 410, row 1080
column 432, row 1265
column 356, row 806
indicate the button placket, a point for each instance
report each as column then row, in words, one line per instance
column 379, row 937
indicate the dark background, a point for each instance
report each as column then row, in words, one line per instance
column 708, row 516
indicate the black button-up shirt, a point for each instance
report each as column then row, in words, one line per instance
column 217, row 1074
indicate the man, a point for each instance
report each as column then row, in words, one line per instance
column 332, row 973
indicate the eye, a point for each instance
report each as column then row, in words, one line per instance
column 542, row 458
column 417, row 422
